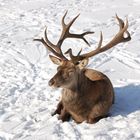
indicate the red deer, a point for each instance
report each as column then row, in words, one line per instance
column 87, row 94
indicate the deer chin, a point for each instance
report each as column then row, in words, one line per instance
column 56, row 86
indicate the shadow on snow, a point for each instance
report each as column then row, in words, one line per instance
column 127, row 100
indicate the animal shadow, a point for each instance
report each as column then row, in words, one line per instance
column 127, row 100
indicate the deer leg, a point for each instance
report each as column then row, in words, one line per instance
column 59, row 108
column 98, row 112
column 95, row 120
column 64, row 116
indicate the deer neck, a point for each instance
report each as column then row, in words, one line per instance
column 78, row 89
column 79, row 82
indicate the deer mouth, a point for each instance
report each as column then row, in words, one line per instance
column 52, row 84
column 56, row 86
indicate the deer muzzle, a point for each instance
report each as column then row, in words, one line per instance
column 51, row 82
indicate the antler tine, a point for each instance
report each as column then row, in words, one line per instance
column 70, row 23
column 101, row 40
column 79, row 57
column 125, row 31
column 48, row 47
column 79, row 52
column 121, row 23
column 81, row 36
column 74, row 59
column 63, row 18
column 116, row 40
column 66, row 34
column 48, row 42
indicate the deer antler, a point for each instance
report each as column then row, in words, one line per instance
column 119, row 37
column 56, row 49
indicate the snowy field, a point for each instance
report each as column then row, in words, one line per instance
column 26, row 100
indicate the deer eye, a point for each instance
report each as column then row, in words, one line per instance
column 58, row 68
column 70, row 72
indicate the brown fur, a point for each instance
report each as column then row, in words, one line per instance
column 87, row 94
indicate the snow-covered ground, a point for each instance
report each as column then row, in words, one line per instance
column 26, row 100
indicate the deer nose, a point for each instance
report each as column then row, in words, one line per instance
column 51, row 82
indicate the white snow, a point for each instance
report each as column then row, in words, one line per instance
column 26, row 100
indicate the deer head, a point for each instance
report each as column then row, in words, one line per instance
column 69, row 69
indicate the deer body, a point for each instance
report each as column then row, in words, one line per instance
column 87, row 94
column 87, row 97
column 90, row 100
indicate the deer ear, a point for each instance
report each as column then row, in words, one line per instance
column 83, row 63
column 56, row 60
